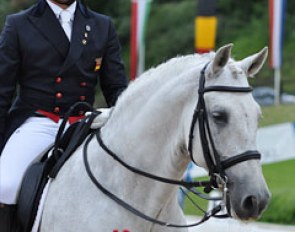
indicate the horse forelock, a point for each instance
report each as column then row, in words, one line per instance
column 232, row 74
column 234, row 70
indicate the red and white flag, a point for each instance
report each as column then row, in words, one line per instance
column 277, row 10
column 139, row 14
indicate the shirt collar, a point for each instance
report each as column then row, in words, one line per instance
column 57, row 9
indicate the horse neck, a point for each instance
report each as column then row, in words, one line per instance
column 150, row 140
column 152, row 133
column 146, row 142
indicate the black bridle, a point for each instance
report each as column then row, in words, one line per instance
column 215, row 166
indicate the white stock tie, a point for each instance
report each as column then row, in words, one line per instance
column 65, row 20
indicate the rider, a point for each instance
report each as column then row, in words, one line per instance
column 53, row 65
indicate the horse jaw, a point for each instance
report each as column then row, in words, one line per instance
column 253, row 64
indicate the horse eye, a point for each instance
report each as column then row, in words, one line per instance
column 219, row 117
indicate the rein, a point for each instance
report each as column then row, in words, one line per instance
column 130, row 208
column 185, row 184
column 215, row 166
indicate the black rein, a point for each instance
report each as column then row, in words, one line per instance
column 215, row 165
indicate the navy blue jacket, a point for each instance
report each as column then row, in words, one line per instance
column 48, row 71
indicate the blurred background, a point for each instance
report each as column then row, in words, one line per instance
column 169, row 28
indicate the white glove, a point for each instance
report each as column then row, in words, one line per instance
column 101, row 119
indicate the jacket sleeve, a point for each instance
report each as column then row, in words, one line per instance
column 113, row 80
column 9, row 68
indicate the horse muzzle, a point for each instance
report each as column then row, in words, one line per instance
column 247, row 199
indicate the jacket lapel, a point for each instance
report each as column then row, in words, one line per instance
column 47, row 23
column 81, row 25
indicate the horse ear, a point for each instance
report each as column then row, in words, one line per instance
column 252, row 64
column 221, row 58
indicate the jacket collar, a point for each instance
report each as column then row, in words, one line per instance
column 50, row 27
column 41, row 5
column 47, row 23
column 58, row 10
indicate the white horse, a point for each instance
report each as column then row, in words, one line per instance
column 149, row 129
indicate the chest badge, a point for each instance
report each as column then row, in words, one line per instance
column 97, row 64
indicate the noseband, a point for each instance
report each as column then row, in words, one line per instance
column 215, row 166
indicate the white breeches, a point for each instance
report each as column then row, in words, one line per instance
column 24, row 147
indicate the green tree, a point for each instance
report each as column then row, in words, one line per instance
column 5, row 9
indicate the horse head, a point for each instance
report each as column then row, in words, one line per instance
column 230, row 126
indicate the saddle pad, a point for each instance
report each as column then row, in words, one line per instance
column 48, row 167
column 32, row 187
column 38, row 217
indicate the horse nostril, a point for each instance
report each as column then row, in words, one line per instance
column 250, row 204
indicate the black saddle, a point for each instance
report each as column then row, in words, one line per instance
column 38, row 174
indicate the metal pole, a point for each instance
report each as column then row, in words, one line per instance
column 277, row 85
